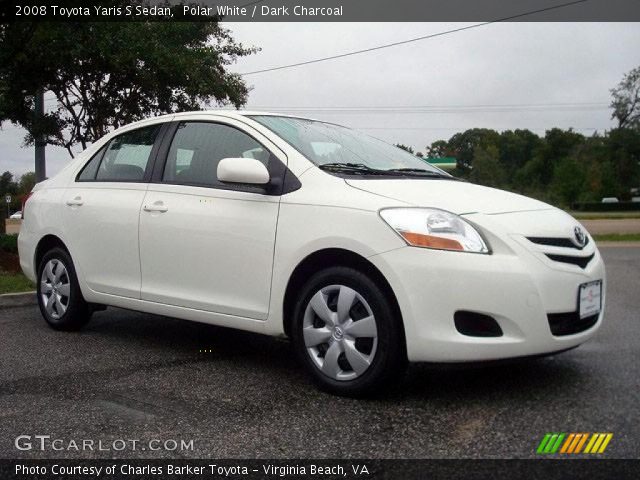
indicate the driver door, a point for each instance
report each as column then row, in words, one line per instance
column 204, row 244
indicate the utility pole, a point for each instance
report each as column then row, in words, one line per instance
column 41, row 168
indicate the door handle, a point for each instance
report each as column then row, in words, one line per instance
column 156, row 207
column 75, row 202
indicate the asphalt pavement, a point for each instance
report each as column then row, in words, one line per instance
column 132, row 376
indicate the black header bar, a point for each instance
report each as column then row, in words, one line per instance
column 362, row 469
column 323, row 10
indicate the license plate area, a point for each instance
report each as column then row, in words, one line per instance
column 589, row 299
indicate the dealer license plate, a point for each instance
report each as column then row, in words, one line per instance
column 590, row 298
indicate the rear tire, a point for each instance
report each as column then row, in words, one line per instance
column 59, row 297
column 347, row 333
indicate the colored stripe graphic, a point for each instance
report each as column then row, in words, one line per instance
column 550, row 443
column 556, row 445
column 606, row 441
column 574, row 443
column 568, row 442
column 543, row 443
column 592, row 441
column 598, row 442
column 583, row 440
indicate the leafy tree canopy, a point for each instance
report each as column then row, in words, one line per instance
column 107, row 74
column 405, row 147
column 562, row 167
column 626, row 100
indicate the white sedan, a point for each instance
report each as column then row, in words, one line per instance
column 364, row 255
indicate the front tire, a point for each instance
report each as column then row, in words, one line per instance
column 59, row 297
column 347, row 334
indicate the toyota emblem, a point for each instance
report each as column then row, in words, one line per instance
column 581, row 238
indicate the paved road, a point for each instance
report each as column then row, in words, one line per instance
column 605, row 226
column 136, row 376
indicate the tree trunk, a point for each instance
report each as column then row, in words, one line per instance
column 41, row 168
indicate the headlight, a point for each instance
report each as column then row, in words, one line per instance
column 432, row 228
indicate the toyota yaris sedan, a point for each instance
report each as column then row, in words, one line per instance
column 364, row 255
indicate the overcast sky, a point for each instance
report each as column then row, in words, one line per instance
column 465, row 78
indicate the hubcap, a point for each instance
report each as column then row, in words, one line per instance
column 340, row 332
column 55, row 288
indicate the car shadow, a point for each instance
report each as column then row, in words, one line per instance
column 519, row 378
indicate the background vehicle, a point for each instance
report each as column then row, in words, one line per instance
column 363, row 254
column 16, row 215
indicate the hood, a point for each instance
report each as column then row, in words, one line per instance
column 453, row 196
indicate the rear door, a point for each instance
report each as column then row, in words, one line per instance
column 102, row 208
column 204, row 244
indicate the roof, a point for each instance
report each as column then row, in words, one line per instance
column 236, row 113
column 229, row 113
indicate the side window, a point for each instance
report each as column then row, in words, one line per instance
column 127, row 156
column 198, row 147
column 89, row 171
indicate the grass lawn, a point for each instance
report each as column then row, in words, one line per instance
column 603, row 215
column 617, row 237
column 15, row 283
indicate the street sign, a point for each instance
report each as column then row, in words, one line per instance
column 7, row 198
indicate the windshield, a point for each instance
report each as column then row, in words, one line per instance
column 343, row 149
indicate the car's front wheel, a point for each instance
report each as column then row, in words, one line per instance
column 59, row 297
column 347, row 334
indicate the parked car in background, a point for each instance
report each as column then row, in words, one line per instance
column 16, row 216
column 363, row 254
column 610, row 200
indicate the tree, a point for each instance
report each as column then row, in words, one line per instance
column 463, row 145
column 486, row 167
column 438, row 149
column 623, row 150
column 626, row 100
column 7, row 185
column 557, row 145
column 26, row 183
column 406, row 148
column 516, row 148
column 568, row 180
column 107, row 74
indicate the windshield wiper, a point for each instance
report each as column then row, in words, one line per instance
column 358, row 168
column 362, row 169
column 421, row 172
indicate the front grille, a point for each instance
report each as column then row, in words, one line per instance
column 557, row 242
column 570, row 323
column 581, row 262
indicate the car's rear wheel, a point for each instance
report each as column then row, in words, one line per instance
column 59, row 297
column 347, row 334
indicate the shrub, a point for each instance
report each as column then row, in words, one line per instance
column 9, row 243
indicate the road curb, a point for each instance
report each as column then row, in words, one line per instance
column 11, row 300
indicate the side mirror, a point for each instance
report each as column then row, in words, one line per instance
column 243, row 170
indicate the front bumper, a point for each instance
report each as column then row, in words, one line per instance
column 517, row 285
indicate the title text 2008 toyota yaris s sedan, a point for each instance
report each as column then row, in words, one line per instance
column 364, row 255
